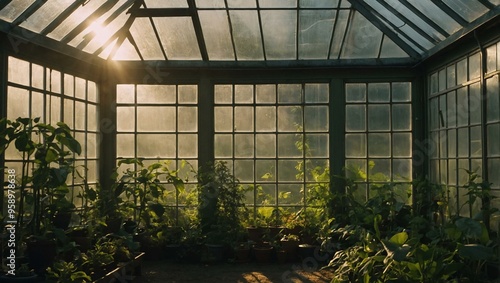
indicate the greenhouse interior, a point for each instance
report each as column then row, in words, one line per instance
column 354, row 139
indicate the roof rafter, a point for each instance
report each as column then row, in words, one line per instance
column 487, row 4
column 424, row 18
column 62, row 17
column 198, row 30
column 161, row 12
column 28, row 12
column 454, row 15
column 407, row 21
column 4, row 4
column 370, row 14
column 124, row 31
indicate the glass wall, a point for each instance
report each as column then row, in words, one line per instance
column 53, row 96
column 275, row 138
column 159, row 123
column 378, row 135
column 464, row 126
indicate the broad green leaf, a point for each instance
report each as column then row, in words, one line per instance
column 470, row 227
column 475, row 252
column 399, row 238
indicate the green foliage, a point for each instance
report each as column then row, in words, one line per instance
column 66, row 272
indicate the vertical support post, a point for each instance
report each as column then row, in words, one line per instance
column 420, row 154
column 3, row 98
column 337, row 140
column 107, row 127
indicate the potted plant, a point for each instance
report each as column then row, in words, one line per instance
column 289, row 243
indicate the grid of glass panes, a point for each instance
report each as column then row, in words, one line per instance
column 273, row 136
column 37, row 91
column 378, row 136
column 159, row 123
column 455, row 109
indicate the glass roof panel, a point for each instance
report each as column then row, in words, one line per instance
column 108, row 49
column 315, row 26
column 217, row 35
column 422, row 24
column 278, row 3
column 210, row 4
column 319, row 3
column 391, row 49
column 146, row 40
column 241, row 4
column 437, row 15
column 339, row 33
column 363, row 39
column 468, row 9
column 103, row 35
column 126, row 52
column 14, row 9
column 166, row 4
column 178, row 38
column 280, row 29
column 246, row 32
column 76, row 18
column 45, row 15
column 345, row 4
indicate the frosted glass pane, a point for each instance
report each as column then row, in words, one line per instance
column 443, row 144
column 289, row 118
column 363, row 39
column 80, row 88
column 451, row 76
column 434, row 83
column 246, row 35
column 91, row 145
column 156, row 94
column 287, row 170
column 493, row 99
column 215, row 26
column 462, row 107
column 223, row 94
column 55, row 112
column 45, row 15
column 210, row 4
column 125, row 93
column 287, row 146
column 265, row 94
column 265, row 170
column 125, row 145
column 223, row 146
column 436, row 15
column 391, row 50
column 353, row 166
column 319, row 3
column 188, row 94
column 17, row 103
column 355, row 92
column 125, row 119
column 148, row 43
column 355, row 118
column 92, row 171
column 243, row 170
column 92, row 117
column 452, row 172
column 78, row 16
column 188, row 146
column 475, row 104
column 243, row 94
column 451, row 112
column 91, row 91
column 156, row 119
column 80, row 116
column 266, row 145
column 463, row 142
column 241, row 4
column 178, row 37
column 243, row 145
column 379, row 118
column 452, row 143
column 316, row 93
column 223, row 119
column 243, row 119
column 401, row 92
column 160, row 146
column 18, row 71
column 379, row 92
column 469, row 10
column 491, row 58
column 401, row 117
column 379, row 145
column 265, row 119
column 338, row 36
column 474, row 66
column 380, row 171
column 280, row 43
column 475, row 141
column 316, row 118
column 37, row 74
column 188, row 119
column 277, row 3
column 318, row 145
column 493, row 140
column 289, row 93
column 355, row 145
column 313, row 26
column 401, row 143
column 442, row 79
column 166, row 4
column 14, row 9
column 462, row 71
column 37, row 106
column 402, row 170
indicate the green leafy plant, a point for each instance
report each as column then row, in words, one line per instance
column 66, row 272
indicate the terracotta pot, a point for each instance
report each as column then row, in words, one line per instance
column 263, row 254
column 255, row 234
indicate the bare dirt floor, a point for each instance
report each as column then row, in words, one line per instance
column 168, row 272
